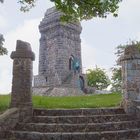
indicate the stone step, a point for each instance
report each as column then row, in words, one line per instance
column 105, row 135
column 90, row 127
column 71, row 112
column 133, row 139
column 2, row 134
column 82, row 119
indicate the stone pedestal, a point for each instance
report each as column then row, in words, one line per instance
column 21, row 96
column 131, row 78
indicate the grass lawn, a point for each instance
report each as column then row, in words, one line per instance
column 4, row 102
column 91, row 101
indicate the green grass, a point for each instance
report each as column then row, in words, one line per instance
column 91, row 101
column 4, row 102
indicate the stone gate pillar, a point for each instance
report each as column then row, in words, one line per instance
column 131, row 78
column 21, row 96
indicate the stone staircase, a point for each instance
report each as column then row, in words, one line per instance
column 78, row 124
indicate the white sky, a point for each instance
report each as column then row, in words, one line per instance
column 99, row 36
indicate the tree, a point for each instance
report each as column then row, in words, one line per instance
column 116, row 79
column 74, row 10
column 79, row 9
column 97, row 78
column 2, row 49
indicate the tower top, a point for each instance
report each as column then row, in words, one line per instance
column 52, row 19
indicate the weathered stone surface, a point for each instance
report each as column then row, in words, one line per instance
column 78, row 124
column 21, row 96
column 60, row 47
column 8, row 121
column 86, row 127
column 82, row 119
column 131, row 78
column 72, row 112
column 23, row 50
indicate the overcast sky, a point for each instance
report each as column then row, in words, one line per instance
column 99, row 37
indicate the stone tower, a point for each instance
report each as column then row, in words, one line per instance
column 60, row 65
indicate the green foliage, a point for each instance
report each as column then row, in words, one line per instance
column 79, row 9
column 92, row 101
column 26, row 5
column 4, row 102
column 97, row 78
column 120, row 49
column 116, row 80
column 116, row 71
column 2, row 49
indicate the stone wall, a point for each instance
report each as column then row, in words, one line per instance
column 131, row 78
column 8, row 120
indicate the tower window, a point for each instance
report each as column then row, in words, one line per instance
column 71, row 61
column 46, row 79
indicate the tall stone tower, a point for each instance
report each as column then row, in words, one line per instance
column 60, row 65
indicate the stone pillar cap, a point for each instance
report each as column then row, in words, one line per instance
column 131, row 52
column 23, row 50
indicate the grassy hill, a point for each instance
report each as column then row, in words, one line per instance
column 90, row 101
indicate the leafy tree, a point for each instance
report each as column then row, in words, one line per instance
column 116, row 79
column 97, row 78
column 79, row 9
column 120, row 50
column 2, row 49
column 74, row 10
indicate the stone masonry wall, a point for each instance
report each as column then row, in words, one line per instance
column 8, row 120
column 59, row 42
column 131, row 77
